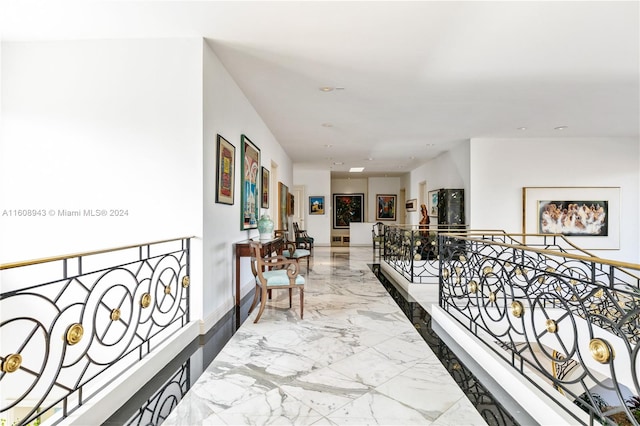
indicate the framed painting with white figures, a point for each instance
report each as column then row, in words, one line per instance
column 588, row 216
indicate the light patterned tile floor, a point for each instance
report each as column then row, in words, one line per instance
column 355, row 359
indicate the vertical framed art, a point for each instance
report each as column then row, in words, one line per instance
column 316, row 205
column 386, row 206
column 265, row 188
column 433, row 202
column 225, row 171
column 283, row 191
column 250, row 201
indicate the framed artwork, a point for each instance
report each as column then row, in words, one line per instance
column 316, row 205
column 283, row 190
column 225, row 172
column 433, row 202
column 265, row 189
column 347, row 208
column 411, row 205
column 290, row 204
column 250, row 201
column 588, row 216
column 386, row 206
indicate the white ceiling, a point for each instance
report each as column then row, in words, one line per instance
column 418, row 77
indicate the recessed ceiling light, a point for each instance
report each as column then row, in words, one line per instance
column 560, row 127
column 327, row 125
column 328, row 145
column 370, row 159
column 326, row 88
column 430, row 145
column 522, row 128
column 356, row 169
column 412, row 158
column 338, row 163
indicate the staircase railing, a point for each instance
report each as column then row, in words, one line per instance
column 571, row 318
column 69, row 325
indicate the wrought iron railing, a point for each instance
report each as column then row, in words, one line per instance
column 69, row 325
column 571, row 318
column 412, row 250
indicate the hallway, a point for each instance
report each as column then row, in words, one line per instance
column 355, row 359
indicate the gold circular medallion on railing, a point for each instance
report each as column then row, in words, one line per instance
column 550, row 269
column 11, row 363
column 167, row 289
column 445, row 273
column 115, row 314
column 599, row 294
column 573, row 281
column 492, row 297
column 473, row 287
column 74, row 333
column 145, row 300
column 462, row 259
column 185, row 281
column 551, row 326
column 517, row 309
column 541, row 280
column 487, row 270
column 601, row 351
column 518, row 271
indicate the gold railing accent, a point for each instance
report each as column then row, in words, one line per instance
column 145, row 300
column 115, row 314
column 82, row 254
column 11, row 363
column 473, row 287
column 601, row 351
column 167, row 289
column 517, row 309
column 74, row 333
column 551, row 326
column 186, row 281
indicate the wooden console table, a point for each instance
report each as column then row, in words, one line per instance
column 243, row 249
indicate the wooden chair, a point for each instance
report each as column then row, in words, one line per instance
column 291, row 251
column 377, row 234
column 272, row 273
column 303, row 240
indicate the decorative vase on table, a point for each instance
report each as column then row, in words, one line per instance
column 265, row 227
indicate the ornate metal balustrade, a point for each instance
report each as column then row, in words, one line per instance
column 69, row 325
column 571, row 318
column 412, row 250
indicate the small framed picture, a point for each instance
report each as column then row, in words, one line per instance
column 225, row 172
column 386, row 207
column 316, row 205
column 411, row 205
column 433, row 203
column 265, row 189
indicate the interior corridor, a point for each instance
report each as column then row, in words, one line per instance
column 354, row 359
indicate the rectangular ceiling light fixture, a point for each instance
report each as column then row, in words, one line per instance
column 356, row 169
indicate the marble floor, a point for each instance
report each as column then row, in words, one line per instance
column 355, row 359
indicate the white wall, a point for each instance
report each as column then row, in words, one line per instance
column 228, row 112
column 381, row 186
column 102, row 124
column 316, row 183
column 501, row 167
column 450, row 169
column 99, row 125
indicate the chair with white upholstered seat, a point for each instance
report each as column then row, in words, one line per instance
column 272, row 273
